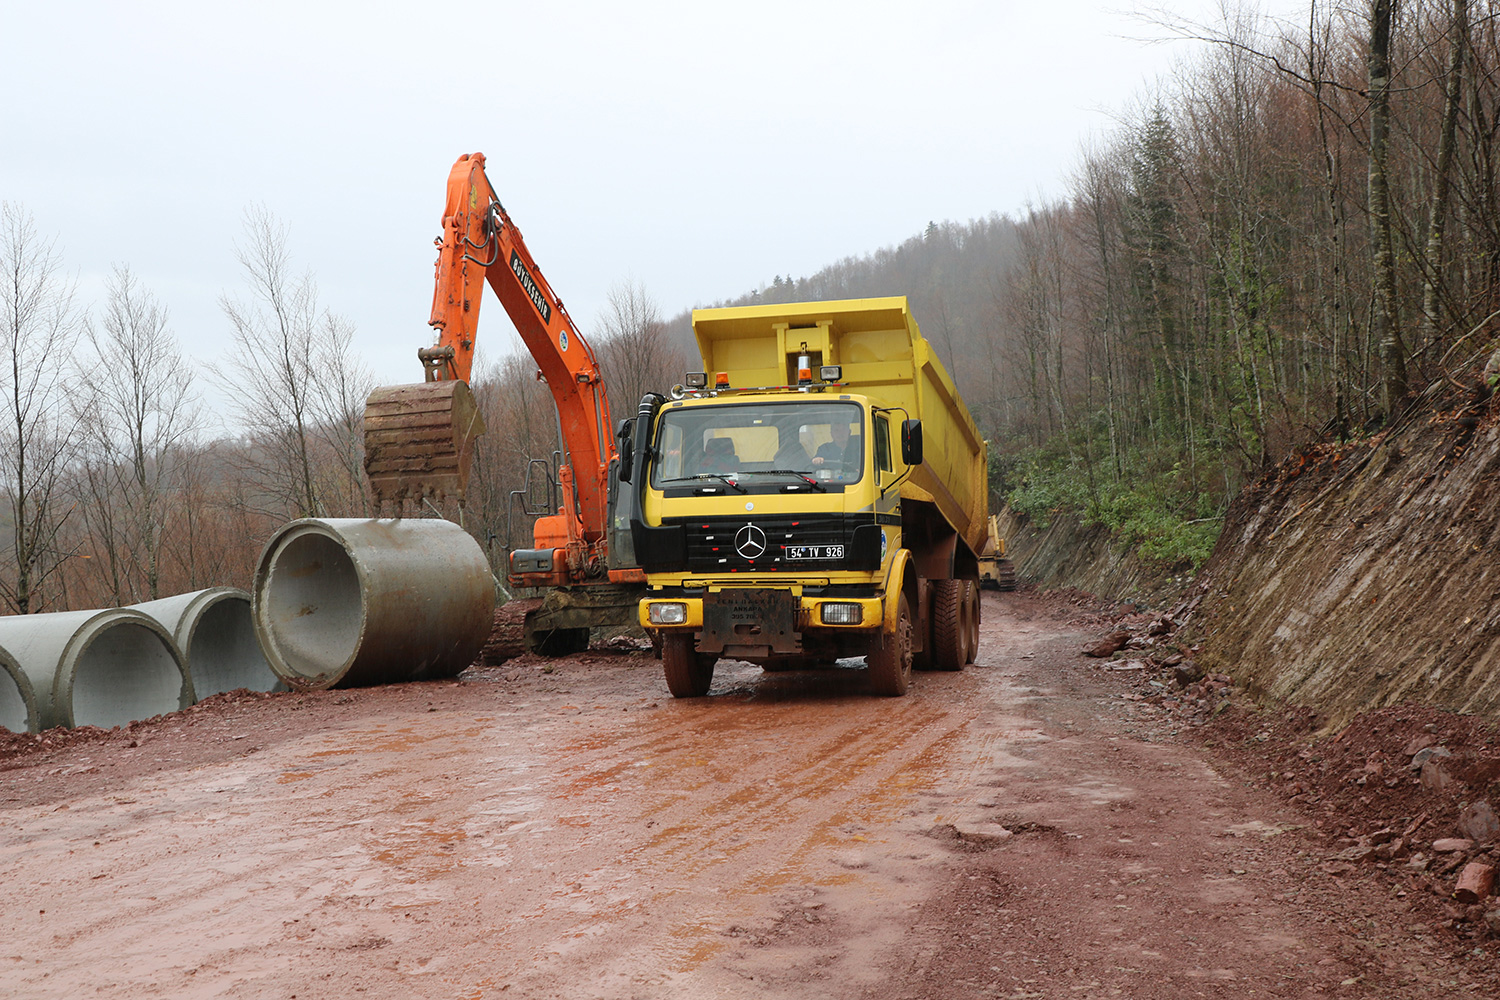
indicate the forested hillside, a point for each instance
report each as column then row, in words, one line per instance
column 1296, row 236
column 1291, row 238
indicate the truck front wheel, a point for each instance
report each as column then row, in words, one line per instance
column 689, row 672
column 890, row 658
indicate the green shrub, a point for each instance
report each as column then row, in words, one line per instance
column 1160, row 517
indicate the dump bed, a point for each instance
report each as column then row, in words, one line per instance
column 884, row 357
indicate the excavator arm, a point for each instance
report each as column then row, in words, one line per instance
column 419, row 437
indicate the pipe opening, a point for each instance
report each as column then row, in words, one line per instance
column 12, row 703
column 125, row 673
column 313, row 616
column 224, row 654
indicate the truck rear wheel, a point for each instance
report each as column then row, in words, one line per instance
column 890, row 659
column 971, row 600
column 689, row 672
column 966, row 619
column 950, row 634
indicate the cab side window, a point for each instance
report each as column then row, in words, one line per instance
column 882, row 444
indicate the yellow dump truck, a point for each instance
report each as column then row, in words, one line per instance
column 816, row 492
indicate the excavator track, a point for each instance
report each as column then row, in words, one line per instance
column 508, row 631
column 559, row 624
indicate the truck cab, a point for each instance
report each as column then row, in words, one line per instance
column 786, row 512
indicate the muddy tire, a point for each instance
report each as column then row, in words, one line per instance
column 890, row 660
column 950, row 637
column 966, row 619
column 972, row 591
column 689, row 672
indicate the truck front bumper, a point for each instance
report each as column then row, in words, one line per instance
column 843, row 613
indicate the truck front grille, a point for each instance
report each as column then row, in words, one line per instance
column 786, row 544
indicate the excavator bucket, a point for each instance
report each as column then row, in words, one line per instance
column 419, row 439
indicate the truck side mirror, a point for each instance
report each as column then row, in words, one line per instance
column 911, row 442
column 627, row 450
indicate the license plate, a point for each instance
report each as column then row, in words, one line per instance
column 803, row 552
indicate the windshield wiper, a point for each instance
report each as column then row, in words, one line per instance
column 787, row 472
column 706, row 475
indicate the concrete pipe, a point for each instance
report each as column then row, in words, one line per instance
column 17, row 703
column 214, row 630
column 96, row 668
column 352, row 602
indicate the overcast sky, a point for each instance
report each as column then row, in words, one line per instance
column 698, row 148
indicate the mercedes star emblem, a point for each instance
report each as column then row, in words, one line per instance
column 750, row 542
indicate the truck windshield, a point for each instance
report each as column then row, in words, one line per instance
column 822, row 441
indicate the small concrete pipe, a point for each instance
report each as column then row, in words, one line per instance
column 216, row 634
column 351, row 602
column 96, row 668
column 17, row 703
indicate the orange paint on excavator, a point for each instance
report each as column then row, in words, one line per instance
column 419, row 438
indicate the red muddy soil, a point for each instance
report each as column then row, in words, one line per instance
column 1026, row 828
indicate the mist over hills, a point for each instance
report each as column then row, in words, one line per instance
column 951, row 273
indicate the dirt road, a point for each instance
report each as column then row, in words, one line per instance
column 1003, row 832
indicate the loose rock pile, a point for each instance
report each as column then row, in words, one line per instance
column 1166, row 676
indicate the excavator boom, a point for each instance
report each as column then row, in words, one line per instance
column 419, row 437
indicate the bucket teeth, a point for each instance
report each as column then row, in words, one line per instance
column 419, row 440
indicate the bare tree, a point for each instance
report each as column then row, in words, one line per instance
column 339, row 393
column 101, row 546
column 141, row 410
column 1386, row 325
column 1438, row 210
column 634, row 349
column 288, row 375
column 38, row 326
column 522, row 425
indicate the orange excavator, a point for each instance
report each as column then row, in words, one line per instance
column 419, row 439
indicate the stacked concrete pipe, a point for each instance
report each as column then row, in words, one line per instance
column 92, row 668
column 216, row 634
column 342, row 603
column 17, row 703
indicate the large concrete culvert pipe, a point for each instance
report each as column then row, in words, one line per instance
column 352, row 602
column 96, row 668
column 216, row 633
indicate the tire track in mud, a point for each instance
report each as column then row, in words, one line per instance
column 538, row 846
column 731, row 813
column 574, row 837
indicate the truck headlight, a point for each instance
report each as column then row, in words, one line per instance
column 667, row 613
column 843, row 614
